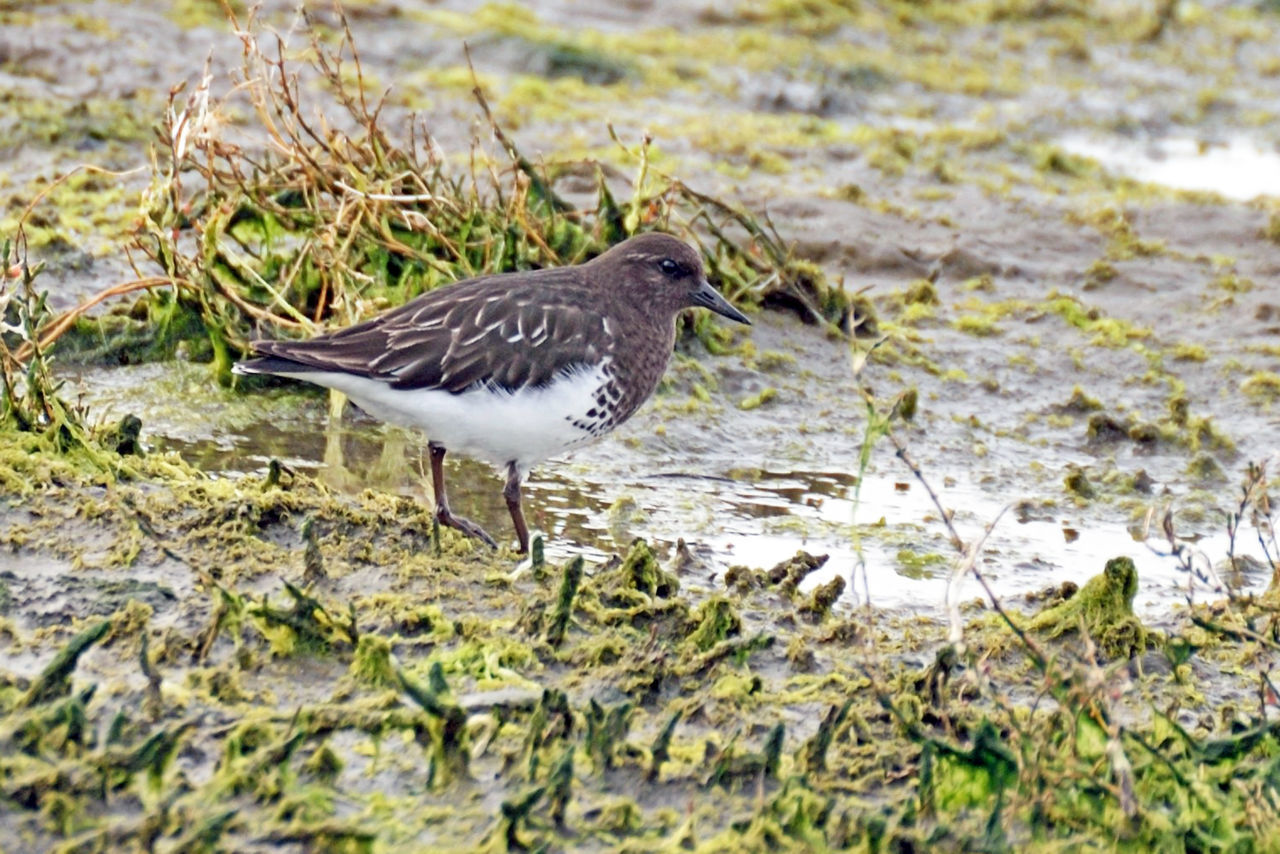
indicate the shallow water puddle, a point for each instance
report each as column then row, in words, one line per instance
column 1238, row 168
column 906, row 562
column 596, row 501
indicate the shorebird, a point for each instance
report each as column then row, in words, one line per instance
column 513, row 368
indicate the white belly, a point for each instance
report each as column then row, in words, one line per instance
column 527, row 426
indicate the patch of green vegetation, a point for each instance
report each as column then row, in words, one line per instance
column 1271, row 231
column 914, row 313
column 775, row 361
column 1098, row 274
column 54, row 123
column 921, row 292
column 496, row 696
column 1206, row 469
column 1051, row 158
column 1077, row 483
column 758, row 399
column 715, row 621
column 1115, row 225
column 976, row 325
column 1102, row 609
column 1264, row 349
column 85, row 211
column 755, row 141
column 889, row 150
column 192, row 14
column 1263, row 386
column 917, row 564
column 1187, row 352
column 1105, row 331
column 1231, row 283
column 933, row 194
column 371, row 663
column 1079, row 402
column 31, row 402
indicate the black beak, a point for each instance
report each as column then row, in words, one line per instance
column 708, row 297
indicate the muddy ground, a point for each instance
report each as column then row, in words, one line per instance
column 1085, row 347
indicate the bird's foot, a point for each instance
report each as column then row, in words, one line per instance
column 466, row 526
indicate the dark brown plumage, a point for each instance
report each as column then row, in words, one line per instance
column 571, row 352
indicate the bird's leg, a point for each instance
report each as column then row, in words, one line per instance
column 443, row 516
column 511, row 492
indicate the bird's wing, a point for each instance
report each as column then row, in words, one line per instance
column 511, row 332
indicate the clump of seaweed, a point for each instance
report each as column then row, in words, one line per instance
column 1102, row 610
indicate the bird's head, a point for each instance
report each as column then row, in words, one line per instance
column 666, row 271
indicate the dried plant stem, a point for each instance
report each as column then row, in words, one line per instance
column 966, row 564
column 54, row 330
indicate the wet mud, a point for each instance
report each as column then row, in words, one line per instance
column 293, row 659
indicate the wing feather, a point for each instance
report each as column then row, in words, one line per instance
column 460, row 336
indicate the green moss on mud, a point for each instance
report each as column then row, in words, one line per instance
column 758, row 399
column 1104, row 331
column 1262, row 386
column 371, row 662
column 683, row 709
column 983, row 327
column 1102, row 609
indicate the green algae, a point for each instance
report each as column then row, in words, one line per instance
column 1102, row 610
column 52, row 123
column 637, row 578
column 54, row 680
column 1262, row 386
column 1205, row 469
column 983, row 327
column 1104, row 331
column 821, row 601
column 273, row 762
column 916, row 564
column 190, row 13
column 758, row 399
column 372, row 663
column 1079, row 402
column 788, row 574
column 1077, row 483
column 563, row 612
column 715, row 621
column 81, row 210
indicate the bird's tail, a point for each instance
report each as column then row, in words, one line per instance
column 268, row 365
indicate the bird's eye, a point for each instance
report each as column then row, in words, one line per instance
column 669, row 267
